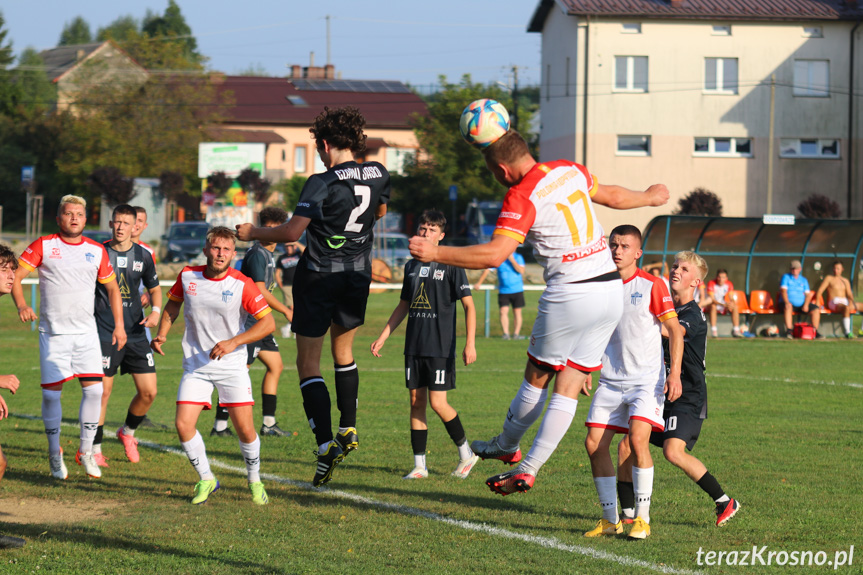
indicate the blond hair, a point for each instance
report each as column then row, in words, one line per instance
column 694, row 259
column 221, row 232
column 70, row 199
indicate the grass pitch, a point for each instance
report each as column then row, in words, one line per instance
column 784, row 437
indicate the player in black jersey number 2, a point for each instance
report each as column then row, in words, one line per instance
column 337, row 209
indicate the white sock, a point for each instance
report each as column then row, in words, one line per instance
column 723, row 499
column 846, row 324
column 88, row 415
column 558, row 418
column 606, row 488
column 464, row 451
column 128, row 431
column 525, row 409
column 252, row 456
column 196, row 451
column 642, row 484
column 628, row 512
column 420, row 461
column 269, row 420
column 52, row 414
column 220, row 424
column 97, row 448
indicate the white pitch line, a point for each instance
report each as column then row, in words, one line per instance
column 547, row 542
column 788, row 380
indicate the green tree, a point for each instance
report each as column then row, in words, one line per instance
column 75, row 32
column 7, row 87
column 447, row 159
column 36, row 92
column 119, row 30
column 172, row 24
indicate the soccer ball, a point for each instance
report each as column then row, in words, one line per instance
column 483, row 122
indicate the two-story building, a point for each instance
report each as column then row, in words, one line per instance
column 751, row 100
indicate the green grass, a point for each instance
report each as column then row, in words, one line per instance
column 784, row 437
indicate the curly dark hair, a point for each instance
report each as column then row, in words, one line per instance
column 342, row 128
column 7, row 257
column 273, row 215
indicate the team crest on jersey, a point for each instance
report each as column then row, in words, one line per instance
column 227, row 295
column 192, row 289
column 424, row 272
column 438, row 274
column 421, row 300
column 137, row 266
column 90, row 257
column 122, row 262
column 55, row 254
column 635, row 298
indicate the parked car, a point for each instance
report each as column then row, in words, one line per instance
column 393, row 248
column 184, row 241
column 100, row 236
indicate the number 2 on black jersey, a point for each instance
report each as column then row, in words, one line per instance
column 365, row 194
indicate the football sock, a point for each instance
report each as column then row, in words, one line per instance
column 316, row 403
column 91, row 407
column 52, row 413
column 347, row 390
column 464, row 451
column 269, row 403
column 525, row 409
column 420, row 461
column 710, row 486
column 252, row 456
column 97, row 440
column 455, row 430
column 132, row 423
column 419, row 439
column 626, row 493
column 846, row 325
column 642, row 482
column 607, row 497
column 558, row 418
column 197, row 454
column 221, row 421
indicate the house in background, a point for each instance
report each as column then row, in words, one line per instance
column 101, row 62
column 747, row 99
column 278, row 112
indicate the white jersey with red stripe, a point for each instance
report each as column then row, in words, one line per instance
column 634, row 353
column 215, row 310
column 149, row 249
column 68, row 274
column 551, row 208
column 718, row 291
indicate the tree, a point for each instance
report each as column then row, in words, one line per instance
column 35, row 91
column 75, row 32
column 699, row 202
column 119, row 30
column 448, row 160
column 819, row 207
column 172, row 24
column 251, row 181
column 171, row 184
column 110, row 184
column 7, row 87
column 220, row 182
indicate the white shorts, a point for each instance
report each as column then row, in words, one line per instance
column 614, row 405
column 574, row 323
column 836, row 302
column 66, row 356
column 234, row 386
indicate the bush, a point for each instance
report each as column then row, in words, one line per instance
column 699, row 202
column 819, row 207
column 109, row 183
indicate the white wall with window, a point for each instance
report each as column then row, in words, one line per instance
column 812, row 78
column 633, row 145
column 396, row 158
column 630, row 73
column 801, row 148
column 723, row 147
column 720, row 75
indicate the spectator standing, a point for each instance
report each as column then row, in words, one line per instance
column 510, row 285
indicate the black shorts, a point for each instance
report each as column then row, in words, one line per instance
column 322, row 298
column 135, row 357
column 516, row 300
column 435, row 373
column 680, row 423
column 266, row 344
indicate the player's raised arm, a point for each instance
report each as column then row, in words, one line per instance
column 621, row 198
column 487, row 255
column 288, row 232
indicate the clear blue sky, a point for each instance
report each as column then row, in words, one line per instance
column 374, row 39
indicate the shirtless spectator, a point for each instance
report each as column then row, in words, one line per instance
column 839, row 298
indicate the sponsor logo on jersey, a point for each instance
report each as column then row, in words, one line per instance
column 122, row 262
column 438, row 274
column 635, row 298
column 335, row 242
column 421, row 300
column 90, row 257
column 137, row 266
column 227, row 296
column 666, row 299
column 55, row 254
column 464, row 286
column 510, row 215
column 304, row 205
column 424, row 272
column 595, row 248
column 259, row 298
column 192, row 288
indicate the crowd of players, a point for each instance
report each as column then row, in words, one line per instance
column 599, row 314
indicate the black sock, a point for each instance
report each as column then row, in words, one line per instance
column 710, row 486
column 419, row 439
column 133, row 421
column 347, row 390
column 268, row 403
column 626, row 493
column 455, row 430
column 221, row 413
column 316, row 403
column 98, row 439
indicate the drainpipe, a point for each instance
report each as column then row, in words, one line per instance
column 851, row 117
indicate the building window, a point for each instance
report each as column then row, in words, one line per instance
column 299, row 159
column 811, row 78
column 630, row 73
column 720, row 75
column 723, row 30
column 813, row 32
column 633, row 145
column 319, row 168
column 397, row 158
column 723, row 147
column 799, row 148
column 630, row 28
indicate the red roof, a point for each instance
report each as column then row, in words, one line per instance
column 740, row 10
column 277, row 101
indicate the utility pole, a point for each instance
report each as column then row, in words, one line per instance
column 770, row 145
column 515, row 98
